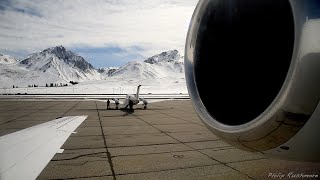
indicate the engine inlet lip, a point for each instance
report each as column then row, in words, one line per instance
column 279, row 102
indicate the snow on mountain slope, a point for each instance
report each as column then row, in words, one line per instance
column 63, row 64
column 168, row 56
column 165, row 65
column 17, row 75
column 162, row 73
column 6, row 59
column 108, row 71
column 52, row 65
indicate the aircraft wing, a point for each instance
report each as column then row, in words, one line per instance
column 105, row 101
column 100, row 100
column 24, row 154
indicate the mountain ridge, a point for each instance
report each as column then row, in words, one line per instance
column 6, row 59
column 60, row 52
column 57, row 61
column 166, row 64
column 59, row 65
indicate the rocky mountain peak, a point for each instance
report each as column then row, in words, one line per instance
column 59, row 53
column 108, row 71
column 6, row 59
column 163, row 65
column 169, row 56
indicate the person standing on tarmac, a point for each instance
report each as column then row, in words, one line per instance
column 130, row 104
column 108, row 104
column 116, row 101
column 145, row 103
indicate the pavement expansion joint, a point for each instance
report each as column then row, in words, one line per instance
column 178, row 118
column 28, row 114
column 172, row 169
column 83, row 155
column 168, row 152
column 197, row 150
column 105, row 144
column 132, row 152
column 218, row 148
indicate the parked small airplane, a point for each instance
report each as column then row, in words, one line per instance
column 134, row 98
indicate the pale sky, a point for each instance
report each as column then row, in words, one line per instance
column 104, row 32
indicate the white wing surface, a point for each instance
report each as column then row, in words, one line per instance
column 24, row 154
column 105, row 101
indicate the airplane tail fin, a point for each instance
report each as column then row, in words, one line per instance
column 138, row 91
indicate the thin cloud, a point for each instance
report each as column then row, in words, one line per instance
column 154, row 26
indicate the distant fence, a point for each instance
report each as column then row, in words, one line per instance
column 92, row 90
column 91, row 96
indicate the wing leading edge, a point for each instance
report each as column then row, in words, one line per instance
column 24, row 154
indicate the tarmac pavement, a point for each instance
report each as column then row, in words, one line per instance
column 166, row 141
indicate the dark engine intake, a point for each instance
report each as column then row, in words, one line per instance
column 253, row 73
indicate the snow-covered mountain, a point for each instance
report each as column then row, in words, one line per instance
column 167, row 56
column 52, row 65
column 167, row 64
column 6, row 59
column 61, row 63
column 163, row 72
column 107, row 71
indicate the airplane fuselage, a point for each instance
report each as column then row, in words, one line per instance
column 133, row 98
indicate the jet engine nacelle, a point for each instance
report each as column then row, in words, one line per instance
column 253, row 74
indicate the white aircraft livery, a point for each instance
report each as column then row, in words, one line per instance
column 134, row 98
column 24, row 154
